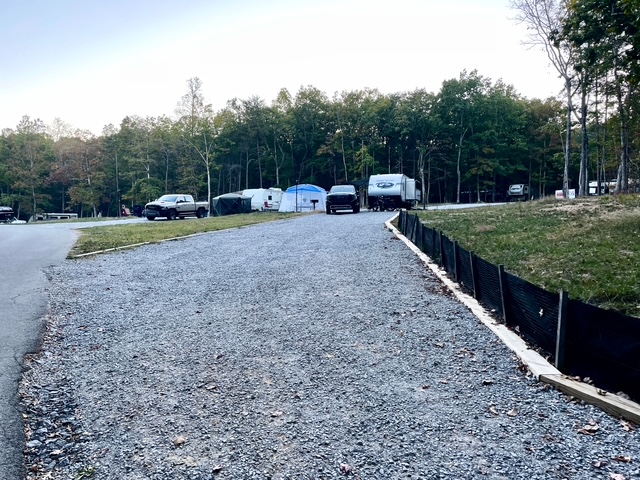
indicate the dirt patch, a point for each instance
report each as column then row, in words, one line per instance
column 594, row 208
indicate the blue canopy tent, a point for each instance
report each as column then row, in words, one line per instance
column 303, row 198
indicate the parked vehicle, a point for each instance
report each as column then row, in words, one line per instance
column 518, row 193
column 264, row 199
column 7, row 215
column 405, row 192
column 175, row 206
column 602, row 190
column 342, row 197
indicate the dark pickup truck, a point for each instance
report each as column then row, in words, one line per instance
column 342, row 197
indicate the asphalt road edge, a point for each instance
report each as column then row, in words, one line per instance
column 539, row 367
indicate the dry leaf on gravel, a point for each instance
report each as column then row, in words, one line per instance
column 626, row 426
column 590, row 429
column 345, row 468
column 179, row 440
column 622, row 458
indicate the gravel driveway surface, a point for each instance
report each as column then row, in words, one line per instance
column 314, row 348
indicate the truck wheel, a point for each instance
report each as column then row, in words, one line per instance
column 356, row 210
column 151, row 218
column 172, row 214
column 200, row 213
column 328, row 211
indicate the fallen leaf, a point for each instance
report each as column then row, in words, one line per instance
column 622, row 458
column 513, row 412
column 616, row 476
column 345, row 468
column 600, row 464
column 217, row 468
column 487, row 381
column 277, row 413
column 626, row 426
column 493, row 410
column 179, row 440
column 589, row 429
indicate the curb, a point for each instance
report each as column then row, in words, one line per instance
column 536, row 363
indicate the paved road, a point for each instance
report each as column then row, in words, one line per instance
column 25, row 251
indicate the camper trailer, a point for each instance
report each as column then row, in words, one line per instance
column 264, row 199
column 518, row 192
column 405, row 192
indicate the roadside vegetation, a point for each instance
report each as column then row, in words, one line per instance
column 95, row 239
column 589, row 247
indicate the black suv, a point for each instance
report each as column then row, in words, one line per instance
column 343, row 197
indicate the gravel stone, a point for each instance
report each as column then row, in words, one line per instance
column 314, row 348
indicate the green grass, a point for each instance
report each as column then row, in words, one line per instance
column 588, row 247
column 95, row 239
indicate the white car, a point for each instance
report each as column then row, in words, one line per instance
column 8, row 216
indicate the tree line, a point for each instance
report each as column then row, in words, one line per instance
column 465, row 143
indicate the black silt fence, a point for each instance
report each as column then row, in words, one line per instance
column 533, row 310
column 419, row 241
column 583, row 340
column 488, row 286
column 465, row 270
column 604, row 346
column 448, row 256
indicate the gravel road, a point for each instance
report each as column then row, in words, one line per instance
column 314, row 348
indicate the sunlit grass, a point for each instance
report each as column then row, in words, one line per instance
column 587, row 247
column 95, row 239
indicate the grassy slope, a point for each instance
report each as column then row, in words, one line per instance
column 588, row 247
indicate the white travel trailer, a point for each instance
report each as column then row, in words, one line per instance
column 264, row 199
column 404, row 191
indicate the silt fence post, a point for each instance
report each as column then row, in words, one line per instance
column 562, row 329
column 474, row 274
column 502, row 293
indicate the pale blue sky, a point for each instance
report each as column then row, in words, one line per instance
column 93, row 63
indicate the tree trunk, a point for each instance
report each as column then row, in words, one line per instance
column 584, row 155
column 567, row 152
column 458, row 164
column 426, row 199
column 259, row 160
column 344, row 159
column 622, row 184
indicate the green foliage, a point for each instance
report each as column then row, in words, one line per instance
column 474, row 136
